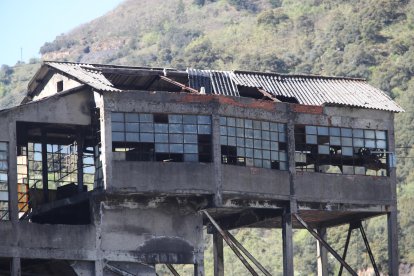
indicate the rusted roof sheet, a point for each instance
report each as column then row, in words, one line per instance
column 308, row 90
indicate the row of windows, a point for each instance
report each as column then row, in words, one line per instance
column 4, row 187
column 246, row 142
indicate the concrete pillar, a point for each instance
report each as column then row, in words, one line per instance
column 12, row 174
column 45, row 174
column 218, row 255
column 393, row 257
column 106, row 138
column 322, row 254
column 16, row 269
column 80, row 141
column 99, row 267
column 218, row 199
column 287, row 243
column 199, row 268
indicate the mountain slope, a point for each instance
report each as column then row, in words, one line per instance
column 371, row 39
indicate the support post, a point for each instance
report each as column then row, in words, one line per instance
column 287, row 242
column 79, row 148
column 371, row 256
column 348, row 238
column 322, row 254
column 45, row 173
column 16, row 269
column 393, row 258
column 99, row 267
column 218, row 255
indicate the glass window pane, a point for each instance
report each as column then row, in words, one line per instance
column 335, row 140
column 266, row 154
column 231, row 121
column 283, row 166
column 3, row 155
column 360, row 170
column 132, row 137
column 204, row 129
column 191, row 157
column 176, row 148
column 265, row 135
column 370, row 143
column 334, row 131
column 311, row 139
column 117, row 117
column 176, row 128
column 3, row 176
column 369, row 134
column 249, row 143
column 3, row 165
column 146, row 127
column 323, row 149
column 131, row 117
column 241, row 152
column 191, row 128
column 240, row 142
column 274, row 145
column 310, row 129
column 223, row 140
column 274, row 155
column 117, row 137
column 273, row 127
column 118, row 127
column 231, row 131
column 267, row 164
column 381, row 144
column 240, row 122
column 204, row 120
column 190, row 138
column 161, row 147
column 248, row 123
column 266, row 145
column 223, row 130
column 146, row 118
column 257, row 153
column 282, row 156
column 257, row 124
column 161, row 128
column 323, row 131
column 282, row 137
column 274, row 136
column 176, row 138
column 358, row 142
column 175, row 119
column 358, row 133
column 163, row 138
column 231, row 141
column 249, row 162
column 4, row 196
column 223, row 121
column 191, row 119
column 248, row 133
column 265, row 126
column 347, row 151
column 146, row 137
column 190, row 148
column 132, row 127
column 240, row 132
column 281, row 127
column 346, row 142
column 257, row 134
column 380, row 134
column 346, row 132
column 249, row 153
column 257, row 143
column 258, row 163
column 347, row 169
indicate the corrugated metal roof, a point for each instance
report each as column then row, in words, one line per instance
column 306, row 89
column 85, row 73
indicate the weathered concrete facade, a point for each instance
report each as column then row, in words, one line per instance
column 139, row 212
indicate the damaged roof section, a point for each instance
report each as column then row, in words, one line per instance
column 301, row 89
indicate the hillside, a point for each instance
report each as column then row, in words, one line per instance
column 372, row 39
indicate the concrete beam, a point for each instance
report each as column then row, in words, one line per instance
column 16, row 269
column 287, row 237
column 393, row 256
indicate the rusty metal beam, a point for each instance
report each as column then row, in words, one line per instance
column 172, row 269
column 348, row 238
column 244, row 250
column 184, row 87
column 231, row 244
column 371, row 256
column 326, row 245
column 268, row 95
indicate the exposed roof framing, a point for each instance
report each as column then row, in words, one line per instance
column 302, row 89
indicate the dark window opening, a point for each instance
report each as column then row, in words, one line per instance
column 161, row 118
column 59, row 86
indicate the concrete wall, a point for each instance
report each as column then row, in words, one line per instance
column 50, row 87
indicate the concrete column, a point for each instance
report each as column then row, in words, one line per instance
column 393, row 257
column 322, row 254
column 12, row 174
column 16, row 269
column 106, row 140
column 80, row 141
column 218, row 199
column 99, row 267
column 45, row 174
column 218, row 255
column 199, row 267
column 287, row 243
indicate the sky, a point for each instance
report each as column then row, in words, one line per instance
column 25, row 25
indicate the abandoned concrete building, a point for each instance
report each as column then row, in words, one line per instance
column 113, row 170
